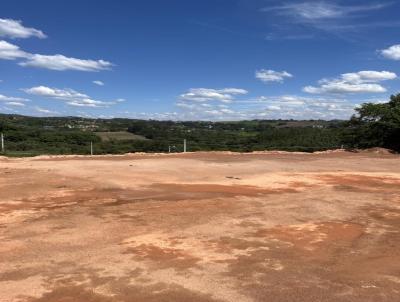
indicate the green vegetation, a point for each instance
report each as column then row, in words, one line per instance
column 119, row 136
column 374, row 125
column 241, row 136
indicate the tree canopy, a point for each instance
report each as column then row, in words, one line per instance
column 376, row 125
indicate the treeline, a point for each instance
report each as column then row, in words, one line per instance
column 373, row 125
column 244, row 136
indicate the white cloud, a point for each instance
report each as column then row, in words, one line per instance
column 70, row 96
column 341, row 87
column 14, row 29
column 307, row 10
column 267, row 107
column 357, row 82
column 301, row 107
column 18, row 104
column 62, row 63
column 291, row 100
column 311, row 11
column 272, row 76
column 326, row 16
column 13, row 101
column 185, row 105
column 393, row 52
column 88, row 103
column 99, row 83
column 274, row 108
column 369, row 76
column 263, row 107
column 10, row 51
column 63, row 94
column 4, row 98
column 234, row 91
column 44, row 110
column 225, row 95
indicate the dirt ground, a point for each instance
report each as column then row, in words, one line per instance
column 201, row 227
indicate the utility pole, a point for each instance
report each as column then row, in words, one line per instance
column 169, row 149
column 91, row 148
column 184, row 146
column 2, row 143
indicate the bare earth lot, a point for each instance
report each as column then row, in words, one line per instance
column 201, row 227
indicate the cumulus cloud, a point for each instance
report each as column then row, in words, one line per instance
column 62, row 63
column 301, row 107
column 58, row 62
column 358, row 82
column 201, row 111
column 64, row 94
column 69, row 96
column 208, row 104
column 99, row 83
column 14, row 29
column 215, row 104
column 268, row 107
column 263, row 107
column 225, row 95
column 393, row 52
column 369, row 76
column 10, row 51
column 272, row 76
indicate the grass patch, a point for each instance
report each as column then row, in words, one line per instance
column 119, row 136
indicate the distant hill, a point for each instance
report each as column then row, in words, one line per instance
column 72, row 135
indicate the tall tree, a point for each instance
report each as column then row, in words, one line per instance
column 376, row 125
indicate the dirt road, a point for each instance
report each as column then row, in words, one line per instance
column 201, row 227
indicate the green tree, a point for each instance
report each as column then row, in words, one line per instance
column 375, row 125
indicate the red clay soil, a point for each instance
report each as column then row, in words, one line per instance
column 201, row 227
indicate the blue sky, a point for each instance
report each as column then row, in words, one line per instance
column 197, row 60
